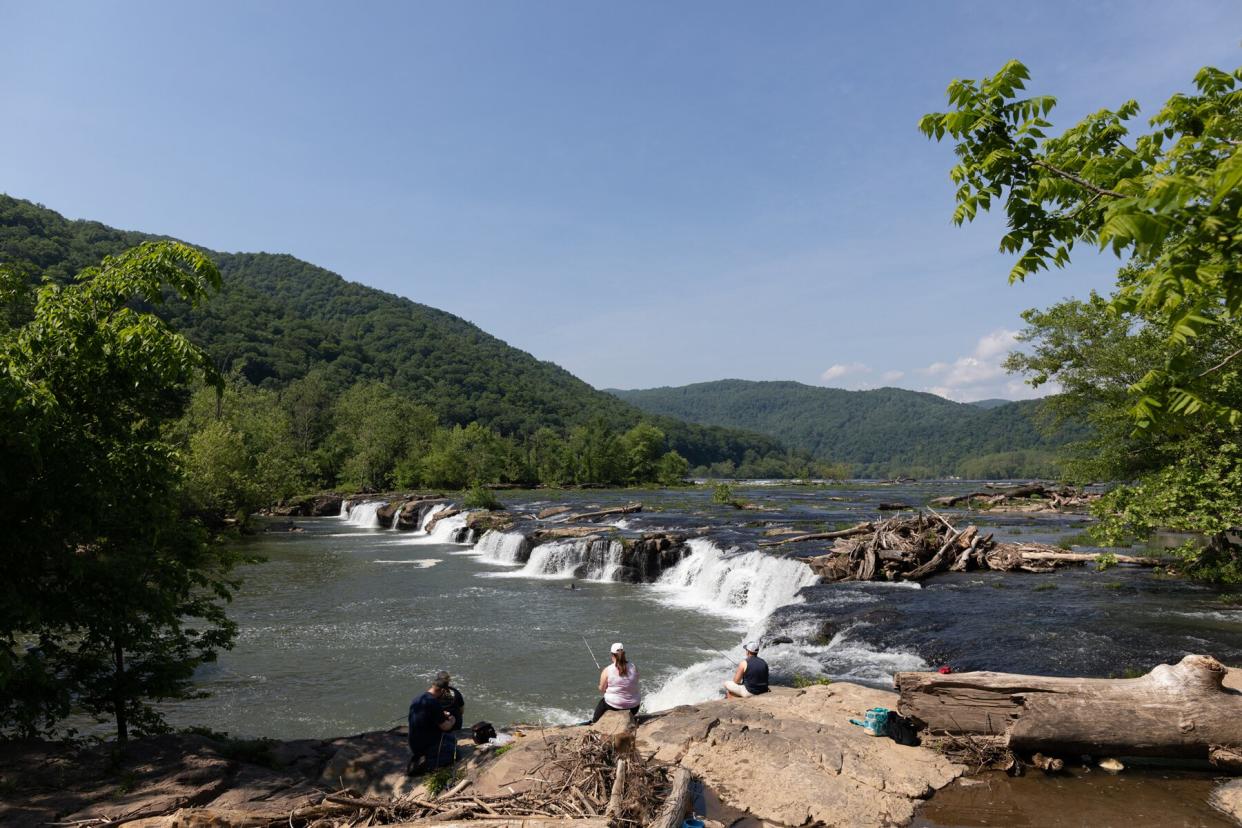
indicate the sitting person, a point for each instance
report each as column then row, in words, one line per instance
column 751, row 676
column 432, row 743
column 452, row 702
column 619, row 684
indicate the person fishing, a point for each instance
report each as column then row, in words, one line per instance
column 452, row 701
column 432, row 743
column 619, row 684
column 751, row 676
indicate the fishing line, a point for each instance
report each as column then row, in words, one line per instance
column 705, row 642
column 592, row 652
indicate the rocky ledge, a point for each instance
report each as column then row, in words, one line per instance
column 788, row 758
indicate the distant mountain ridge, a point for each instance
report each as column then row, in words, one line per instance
column 881, row 432
column 278, row 317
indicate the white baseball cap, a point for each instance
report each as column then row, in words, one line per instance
column 751, row 646
column 616, row 648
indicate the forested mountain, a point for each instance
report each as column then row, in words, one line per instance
column 278, row 318
column 882, row 432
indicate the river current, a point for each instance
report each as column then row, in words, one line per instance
column 346, row 620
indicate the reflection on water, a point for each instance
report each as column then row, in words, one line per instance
column 1082, row 798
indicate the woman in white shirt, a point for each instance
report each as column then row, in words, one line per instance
column 619, row 684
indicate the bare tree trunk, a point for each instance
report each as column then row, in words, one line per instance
column 1177, row 710
column 118, row 691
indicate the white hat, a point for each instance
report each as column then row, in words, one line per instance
column 751, row 646
column 616, row 648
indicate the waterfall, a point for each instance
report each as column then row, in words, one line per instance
column 428, row 515
column 747, row 586
column 396, row 516
column 589, row 558
column 344, row 513
column 503, row 547
column 364, row 515
column 448, row 530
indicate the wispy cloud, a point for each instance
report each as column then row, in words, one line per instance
column 980, row 374
column 839, row 370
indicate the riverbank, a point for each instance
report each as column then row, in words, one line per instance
column 785, row 758
column 789, row 758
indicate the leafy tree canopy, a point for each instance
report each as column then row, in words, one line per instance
column 1167, row 201
column 110, row 600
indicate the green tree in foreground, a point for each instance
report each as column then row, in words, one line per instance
column 110, row 599
column 1167, row 201
column 1154, row 367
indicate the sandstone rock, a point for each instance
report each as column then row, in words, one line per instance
column 843, row 777
column 483, row 521
column 1227, row 797
column 373, row 764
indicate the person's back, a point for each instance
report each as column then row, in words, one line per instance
column 755, row 679
column 425, row 718
column 622, row 692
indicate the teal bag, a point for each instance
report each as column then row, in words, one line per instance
column 875, row 721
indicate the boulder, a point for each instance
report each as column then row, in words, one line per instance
column 324, row 506
column 1227, row 798
column 792, row 757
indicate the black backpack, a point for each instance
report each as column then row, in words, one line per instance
column 483, row 731
column 901, row 730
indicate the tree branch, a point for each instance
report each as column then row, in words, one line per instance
column 1220, row 364
column 1079, row 180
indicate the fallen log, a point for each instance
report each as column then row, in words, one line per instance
column 674, row 810
column 1177, row 710
column 1057, row 497
column 860, row 529
column 627, row 509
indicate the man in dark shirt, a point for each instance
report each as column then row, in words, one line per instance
column 751, row 676
column 452, row 701
column 432, row 742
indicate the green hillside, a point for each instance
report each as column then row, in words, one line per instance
column 278, row 317
column 883, row 432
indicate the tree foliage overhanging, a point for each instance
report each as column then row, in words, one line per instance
column 1155, row 366
column 110, row 598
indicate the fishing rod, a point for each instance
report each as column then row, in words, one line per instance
column 592, row 652
column 704, row 641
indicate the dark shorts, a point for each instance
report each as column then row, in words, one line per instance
column 603, row 707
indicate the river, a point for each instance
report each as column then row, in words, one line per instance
column 346, row 621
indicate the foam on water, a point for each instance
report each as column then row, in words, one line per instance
column 745, row 586
column 842, row 658
column 421, row 563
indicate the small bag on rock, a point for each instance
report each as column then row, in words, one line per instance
column 901, row 730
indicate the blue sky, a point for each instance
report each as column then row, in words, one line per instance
column 645, row 193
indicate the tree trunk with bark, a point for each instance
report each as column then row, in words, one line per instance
column 1178, row 710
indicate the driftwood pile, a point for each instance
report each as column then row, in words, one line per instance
column 582, row 781
column 917, row 547
column 1051, row 498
